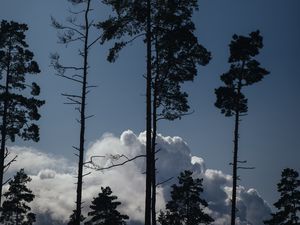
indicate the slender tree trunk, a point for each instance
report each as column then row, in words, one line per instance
column 148, row 120
column 3, row 130
column 235, row 157
column 82, row 117
column 153, row 153
column 234, row 168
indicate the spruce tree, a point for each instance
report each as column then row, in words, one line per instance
column 18, row 106
column 15, row 209
column 186, row 206
column 244, row 71
column 288, row 204
column 104, row 210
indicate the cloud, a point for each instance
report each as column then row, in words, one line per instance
column 53, row 180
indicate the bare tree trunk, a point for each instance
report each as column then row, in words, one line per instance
column 235, row 157
column 148, row 120
column 82, row 117
column 3, row 130
column 153, row 153
column 234, row 169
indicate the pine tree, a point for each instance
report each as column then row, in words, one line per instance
column 289, row 203
column 18, row 106
column 186, row 206
column 244, row 71
column 104, row 210
column 168, row 30
column 177, row 55
column 15, row 210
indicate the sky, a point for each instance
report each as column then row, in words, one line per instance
column 269, row 137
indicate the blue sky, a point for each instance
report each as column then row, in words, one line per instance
column 270, row 134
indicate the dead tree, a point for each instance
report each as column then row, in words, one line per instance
column 69, row 33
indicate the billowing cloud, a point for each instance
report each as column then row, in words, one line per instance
column 53, row 180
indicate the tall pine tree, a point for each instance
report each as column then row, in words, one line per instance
column 15, row 209
column 18, row 106
column 177, row 55
column 104, row 210
column 186, row 206
column 244, row 71
column 167, row 29
column 288, row 204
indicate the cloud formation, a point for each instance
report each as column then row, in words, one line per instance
column 53, row 180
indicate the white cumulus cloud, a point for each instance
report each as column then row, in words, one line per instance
column 53, row 180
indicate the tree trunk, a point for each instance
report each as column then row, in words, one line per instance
column 82, row 118
column 235, row 156
column 234, row 169
column 153, row 153
column 3, row 130
column 148, row 119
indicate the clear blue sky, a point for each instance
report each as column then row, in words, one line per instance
column 270, row 134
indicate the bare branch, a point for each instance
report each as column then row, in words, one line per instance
column 69, row 78
column 245, row 168
column 165, row 181
column 88, row 117
column 86, row 174
column 93, row 42
column 6, row 181
column 72, row 96
column 114, row 157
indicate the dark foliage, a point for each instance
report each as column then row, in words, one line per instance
column 16, row 61
column 72, row 220
column 186, row 205
column 244, row 71
column 104, row 210
column 18, row 105
column 288, row 204
column 15, row 210
column 178, row 53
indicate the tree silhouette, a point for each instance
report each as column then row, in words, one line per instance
column 186, row 206
column 168, row 30
column 104, row 210
column 133, row 20
column 75, row 31
column 244, row 71
column 14, row 210
column 288, row 204
column 18, row 106
column 72, row 217
column 177, row 54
